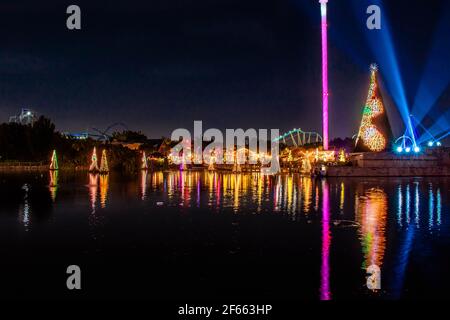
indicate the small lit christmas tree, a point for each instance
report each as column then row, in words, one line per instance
column 104, row 163
column 306, row 165
column 94, row 162
column 144, row 161
column 290, row 158
column 54, row 161
column 375, row 131
column 342, row 157
column 212, row 160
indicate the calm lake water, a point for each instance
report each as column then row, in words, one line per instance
column 211, row 236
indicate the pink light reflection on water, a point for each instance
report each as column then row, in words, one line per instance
column 325, row 293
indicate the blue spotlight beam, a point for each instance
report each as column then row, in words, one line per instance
column 383, row 48
column 441, row 125
column 423, row 127
column 436, row 77
column 443, row 136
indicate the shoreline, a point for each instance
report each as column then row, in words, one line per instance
column 332, row 172
column 390, row 172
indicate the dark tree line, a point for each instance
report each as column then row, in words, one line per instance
column 348, row 144
column 35, row 143
column 27, row 142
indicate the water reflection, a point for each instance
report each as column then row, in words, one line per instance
column 371, row 212
column 325, row 293
column 372, row 215
column 144, row 177
column 316, row 205
column 402, row 261
column 430, row 207
column 342, row 198
column 411, row 196
column 307, row 193
column 399, row 205
column 408, row 204
column 93, row 190
column 104, row 185
column 438, row 206
column 434, row 207
column 53, row 185
column 24, row 208
column 416, row 204
column 291, row 194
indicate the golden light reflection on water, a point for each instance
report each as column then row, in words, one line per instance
column 316, row 205
column 104, row 185
column 307, row 193
column 342, row 198
column 53, row 185
column 291, row 193
column 144, row 177
column 371, row 208
column 157, row 179
column 414, row 204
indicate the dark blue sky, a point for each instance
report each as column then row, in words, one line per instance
column 159, row 65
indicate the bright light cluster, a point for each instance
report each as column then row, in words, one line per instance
column 434, row 143
column 370, row 135
column 319, row 155
column 241, row 155
column 400, row 149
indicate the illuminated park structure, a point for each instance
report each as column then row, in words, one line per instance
column 374, row 132
column 323, row 10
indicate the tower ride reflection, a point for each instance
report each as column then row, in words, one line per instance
column 325, row 293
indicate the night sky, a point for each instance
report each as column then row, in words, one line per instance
column 158, row 65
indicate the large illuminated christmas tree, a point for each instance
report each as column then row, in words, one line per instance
column 375, row 131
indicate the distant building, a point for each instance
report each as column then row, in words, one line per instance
column 76, row 135
column 26, row 117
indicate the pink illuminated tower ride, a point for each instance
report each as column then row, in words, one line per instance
column 323, row 10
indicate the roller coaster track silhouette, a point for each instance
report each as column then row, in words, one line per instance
column 298, row 137
column 104, row 134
